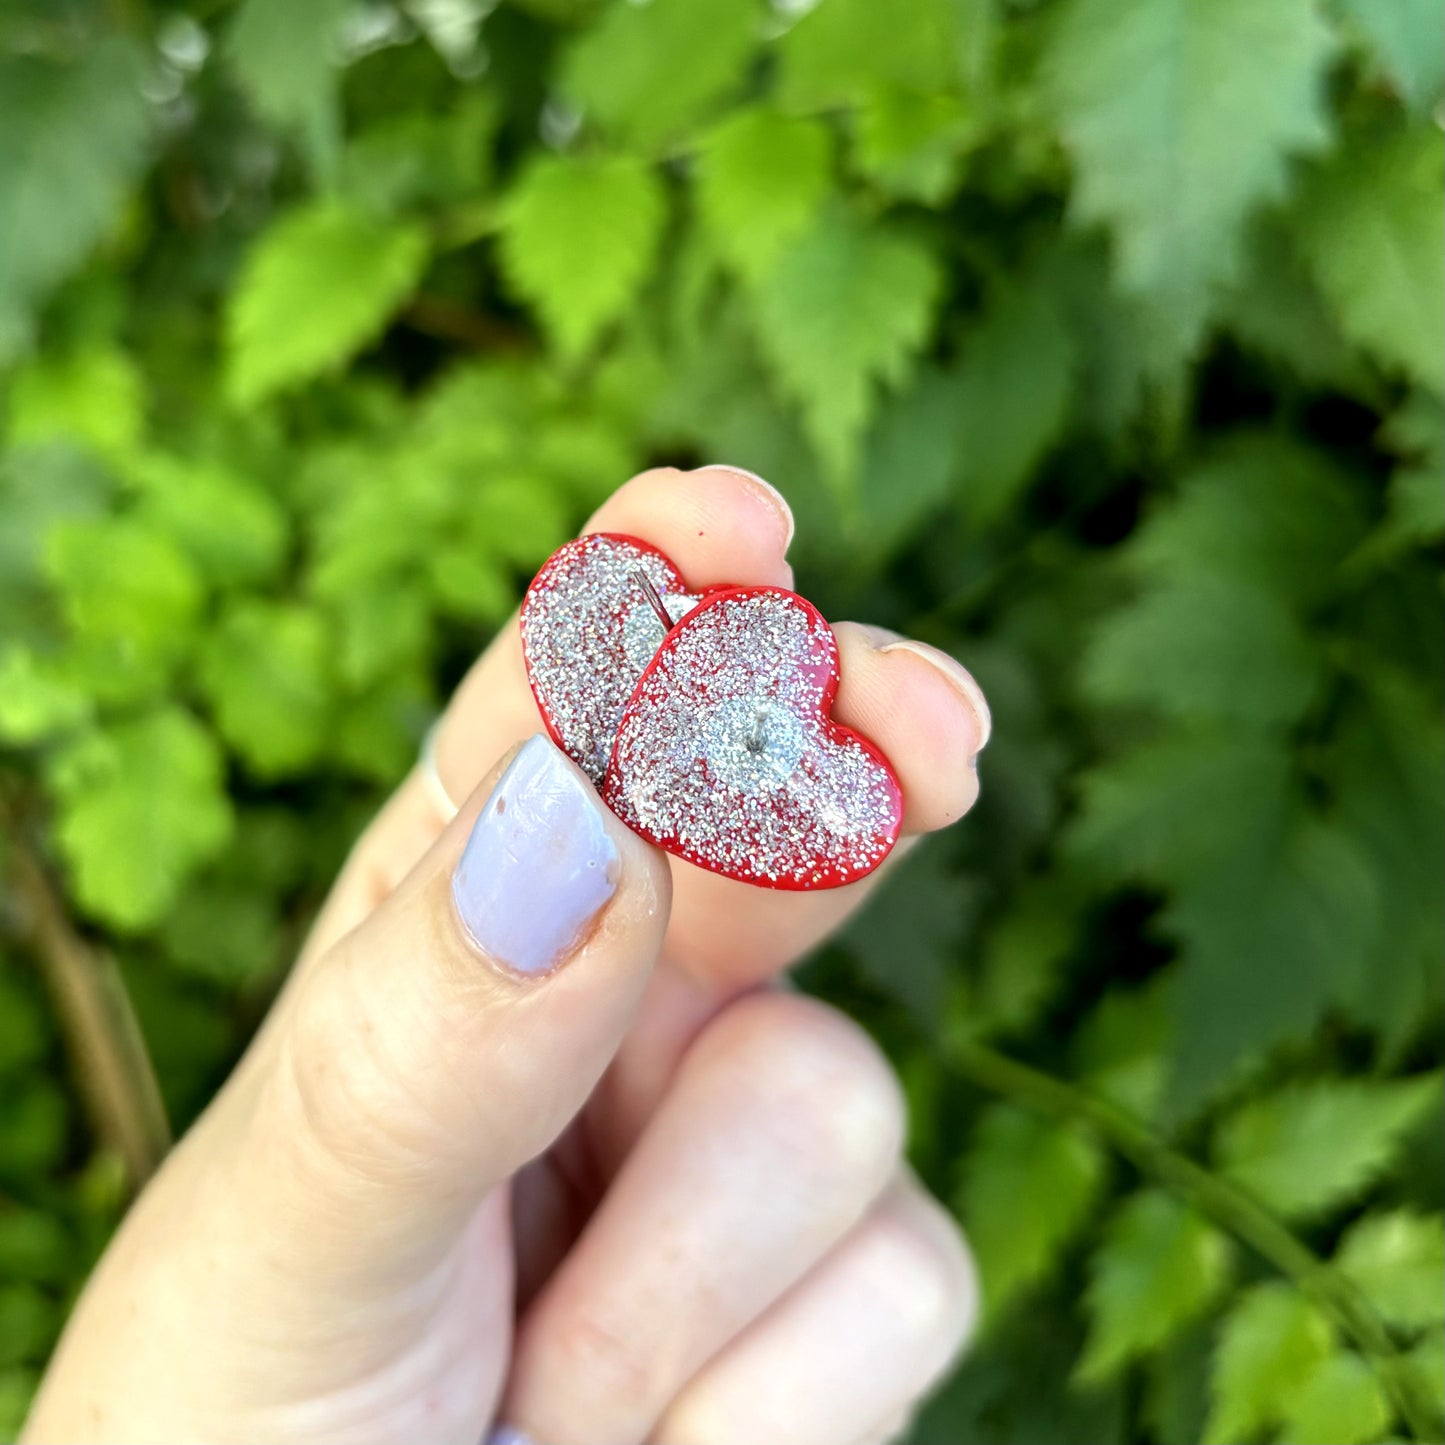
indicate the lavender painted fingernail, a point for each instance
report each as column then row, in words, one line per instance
column 506, row 1435
column 539, row 864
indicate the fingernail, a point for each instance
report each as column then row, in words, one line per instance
column 958, row 677
column 539, row 863
column 506, row 1435
column 775, row 499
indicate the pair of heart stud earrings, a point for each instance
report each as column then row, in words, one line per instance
column 704, row 717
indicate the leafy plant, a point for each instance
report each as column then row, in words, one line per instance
column 1102, row 344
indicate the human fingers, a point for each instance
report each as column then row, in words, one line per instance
column 782, row 1126
column 851, row 1349
column 928, row 716
column 327, row 1254
column 716, row 523
column 446, row 1041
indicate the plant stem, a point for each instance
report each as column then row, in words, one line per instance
column 104, row 1041
column 1228, row 1206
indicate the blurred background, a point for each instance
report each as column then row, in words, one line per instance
column 1100, row 342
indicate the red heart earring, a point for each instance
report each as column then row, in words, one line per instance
column 706, row 717
column 588, row 631
column 727, row 756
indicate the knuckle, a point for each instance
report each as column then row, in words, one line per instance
column 595, row 1355
column 821, row 1085
column 920, row 1271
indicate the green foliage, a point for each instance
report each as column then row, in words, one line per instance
column 1313, row 1146
column 828, row 357
column 1402, row 34
column 1097, row 343
column 761, row 178
column 1269, row 1347
column 283, row 55
column 1027, row 1188
column 321, row 283
column 140, row 805
column 74, row 140
column 577, row 238
column 1181, row 115
column 645, row 72
column 1372, row 231
column 1397, row 1258
column 1159, row 1265
column 1340, row 1399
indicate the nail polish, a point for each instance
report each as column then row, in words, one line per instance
column 539, row 864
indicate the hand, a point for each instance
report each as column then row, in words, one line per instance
column 524, row 1139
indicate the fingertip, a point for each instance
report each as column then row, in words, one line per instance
column 718, row 524
column 909, row 699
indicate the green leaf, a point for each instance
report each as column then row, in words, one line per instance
column 1260, row 510
column 287, row 56
column 926, row 899
column 1405, row 36
column 1274, row 309
column 37, row 698
column 841, row 50
column 761, row 180
column 28, row 1323
column 1416, row 433
column 1311, row 1147
column 1341, row 1401
column 1121, row 1049
column 34, row 1247
column 646, row 72
column 1271, row 1343
column 25, row 1028
column 828, row 357
column 1015, row 386
column 320, row 284
column 1281, row 929
column 141, row 807
column 1181, row 116
column 125, row 586
column 1398, row 1258
column 72, row 139
column 1170, row 811
column 1388, row 760
column 1159, row 1266
column 266, row 669
column 908, row 461
column 913, row 144
column 1427, row 1359
column 577, row 240
column 227, row 932
column 231, row 528
column 1028, row 1186
column 17, row 1393
column 93, row 397
column 1371, row 225
column 34, row 1127
column 1209, row 649
column 1022, row 958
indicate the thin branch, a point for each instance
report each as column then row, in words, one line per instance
column 102, row 1037
column 449, row 320
column 1228, row 1206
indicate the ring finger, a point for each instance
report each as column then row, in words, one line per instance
column 781, row 1128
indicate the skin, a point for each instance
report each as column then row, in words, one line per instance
column 652, row 1196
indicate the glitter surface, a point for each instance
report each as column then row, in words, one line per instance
column 587, row 634
column 726, row 755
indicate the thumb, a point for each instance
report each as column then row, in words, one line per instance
column 452, row 1036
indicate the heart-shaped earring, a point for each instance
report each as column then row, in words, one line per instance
column 589, row 629
column 727, row 755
